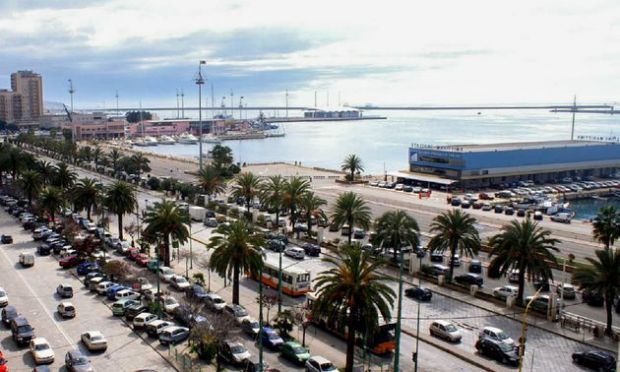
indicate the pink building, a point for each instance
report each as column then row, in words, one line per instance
column 156, row 128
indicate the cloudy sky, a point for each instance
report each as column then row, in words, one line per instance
column 380, row 52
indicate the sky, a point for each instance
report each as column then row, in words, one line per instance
column 363, row 52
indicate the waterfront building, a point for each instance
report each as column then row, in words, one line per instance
column 30, row 86
column 496, row 164
column 174, row 127
column 97, row 125
column 333, row 113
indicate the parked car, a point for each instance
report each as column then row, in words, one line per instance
column 270, row 338
column 197, row 291
column 86, row 267
column 44, row 250
column 475, row 266
column 94, row 341
column 179, row 283
column 75, row 361
column 250, row 326
column 215, row 302
column 496, row 334
column 595, row 359
column 419, row 293
column 436, row 257
column 155, row 327
column 233, row 352
column 165, row 273
column 141, row 320
column 66, row 310
column 6, row 239
column 499, row 351
column 133, row 310
column 170, row 303
column 439, row 269
column 566, row 290
column 294, row 352
column 68, row 262
column 8, row 313
column 505, row 291
column 119, row 307
column 21, row 331
column 319, row 364
column 41, row 351
column 295, row 252
column 173, row 335
column 64, row 290
column 593, row 298
column 238, row 312
column 445, row 330
column 469, row 279
column 127, row 294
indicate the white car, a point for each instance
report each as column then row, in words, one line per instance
column 319, row 364
column 94, row 341
column 214, row 302
column 66, row 309
column 155, row 327
column 165, row 273
column 102, row 287
column 170, row 303
column 496, row 335
column 237, row 311
column 143, row 319
column 179, row 283
column 41, row 351
column 445, row 330
column 4, row 298
column 504, row 292
column 91, row 227
column 295, row 252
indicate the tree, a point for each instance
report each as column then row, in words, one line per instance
column 222, row 159
column 606, row 225
column 293, row 191
column 63, row 178
column 211, row 181
column 115, row 157
column 355, row 291
column 271, row 195
column 601, row 276
column 47, row 171
column 352, row 164
column 454, row 231
column 85, row 194
column 137, row 116
column 246, row 185
column 52, row 201
column 526, row 247
column 396, row 229
column 31, row 183
column 140, row 163
column 284, row 322
column 350, row 209
column 311, row 205
column 235, row 251
column 120, row 198
column 167, row 221
column 14, row 159
column 118, row 270
column 97, row 156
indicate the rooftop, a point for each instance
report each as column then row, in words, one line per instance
column 592, row 141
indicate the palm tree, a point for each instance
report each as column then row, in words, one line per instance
column 355, row 291
column 141, row 163
column 86, row 194
column 246, row 185
column 64, row 178
column 211, row 181
column 526, row 247
column 47, row 171
column 31, row 183
column 351, row 209
column 52, row 201
column 602, row 276
column 235, row 251
column 121, row 199
column 454, row 230
column 293, row 191
column 97, row 155
column 167, row 220
column 606, row 225
column 352, row 164
column 14, row 161
column 115, row 156
column 396, row 229
column 271, row 195
column 311, row 205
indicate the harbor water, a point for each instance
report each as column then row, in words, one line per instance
column 586, row 209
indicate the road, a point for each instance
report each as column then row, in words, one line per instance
column 32, row 292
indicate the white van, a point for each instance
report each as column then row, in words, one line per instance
column 127, row 294
column 143, row 319
column 26, row 259
column 165, row 273
column 295, row 252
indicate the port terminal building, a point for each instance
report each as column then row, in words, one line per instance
column 491, row 165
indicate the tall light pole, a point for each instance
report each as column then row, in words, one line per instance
column 182, row 104
column 399, row 311
column 240, row 107
column 232, row 104
column 523, row 328
column 417, row 328
column 280, row 283
column 260, row 314
column 286, row 99
column 177, row 103
column 200, row 81
column 71, row 91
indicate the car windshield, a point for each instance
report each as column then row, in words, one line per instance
column 299, row 350
column 24, row 328
column 96, row 338
column 502, row 336
column 240, row 312
column 328, row 367
column 451, row 328
column 273, row 336
column 2, row 293
column 237, row 349
column 80, row 360
column 42, row 347
column 218, row 301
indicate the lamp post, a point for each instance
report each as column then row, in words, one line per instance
column 157, row 256
column 280, row 283
column 260, row 318
column 523, row 329
column 191, row 255
column 200, row 81
column 399, row 310
column 417, row 328
column 240, row 107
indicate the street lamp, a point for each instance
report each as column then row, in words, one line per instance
column 240, row 107
column 417, row 329
column 280, row 282
column 200, row 81
column 523, row 328
column 399, row 310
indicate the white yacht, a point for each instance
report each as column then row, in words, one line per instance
column 187, row 138
column 139, row 142
column 150, row 141
column 166, row 140
column 209, row 138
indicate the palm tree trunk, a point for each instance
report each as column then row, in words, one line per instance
column 521, row 285
column 608, row 306
column 277, row 224
column 236, row 285
column 167, row 250
column 350, row 236
column 88, row 212
column 120, row 226
column 352, row 175
column 350, row 342
column 309, row 221
column 450, row 260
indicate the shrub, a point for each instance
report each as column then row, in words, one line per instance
column 233, row 212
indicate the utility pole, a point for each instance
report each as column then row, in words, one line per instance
column 399, row 313
column 200, row 81
column 240, row 107
column 71, row 91
column 286, row 99
column 232, row 104
column 572, row 132
column 177, row 103
column 315, row 99
column 182, row 104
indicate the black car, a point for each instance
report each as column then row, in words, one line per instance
column 593, row 298
column 134, row 310
column 475, row 266
column 275, row 236
column 44, row 250
column 509, row 211
column 8, row 313
column 597, row 360
column 469, row 279
column 436, row 257
column 312, row 249
column 75, row 361
column 499, row 209
column 542, row 284
column 6, row 239
column 419, row 293
column 21, row 330
column 29, row 224
column 276, row 245
column 499, row 351
column 183, row 315
column 196, row 291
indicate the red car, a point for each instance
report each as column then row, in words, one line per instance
column 3, row 363
column 68, row 261
column 132, row 253
column 142, row 259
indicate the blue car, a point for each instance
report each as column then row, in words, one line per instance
column 271, row 338
column 87, row 267
column 111, row 292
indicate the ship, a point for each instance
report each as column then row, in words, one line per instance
column 166, row 140
column 187, row 139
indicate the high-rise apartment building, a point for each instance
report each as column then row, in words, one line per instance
column 30, row 86
column 10, row 106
